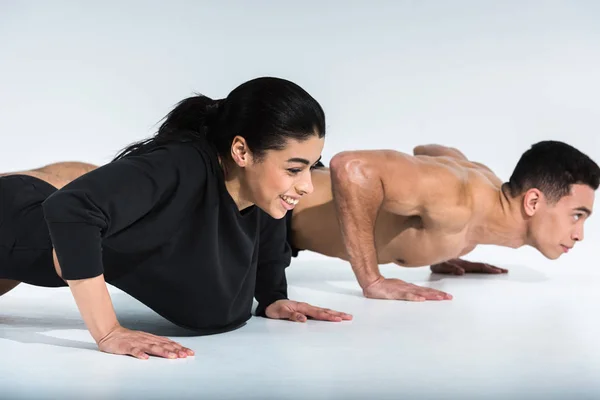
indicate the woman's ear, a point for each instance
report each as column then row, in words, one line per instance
column 240, row 152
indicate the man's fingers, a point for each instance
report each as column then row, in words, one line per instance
column 441, row 268
column 456, row 268
column 462, row 267
column 433, row 294
column 411, row 297
column 490, row 269
column 497, row 269
column 428, row 295
column 447, row 268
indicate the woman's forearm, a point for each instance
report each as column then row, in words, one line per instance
column 94, row 303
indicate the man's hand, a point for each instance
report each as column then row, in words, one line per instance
column 299, row 312
column 461, row 267
column 395, row 289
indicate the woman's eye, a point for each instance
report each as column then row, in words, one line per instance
column 294, row 170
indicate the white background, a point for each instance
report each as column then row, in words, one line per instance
column 80, row 80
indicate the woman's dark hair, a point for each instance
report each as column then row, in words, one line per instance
column 552, row 167
column 266, row 112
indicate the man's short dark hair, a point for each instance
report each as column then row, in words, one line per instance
column 553, row 167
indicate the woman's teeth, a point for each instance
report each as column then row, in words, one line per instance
column 289, row 200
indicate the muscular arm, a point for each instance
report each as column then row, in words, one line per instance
column 358, row 195
column 365, row 182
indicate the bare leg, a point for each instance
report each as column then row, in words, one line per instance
column 57, row 175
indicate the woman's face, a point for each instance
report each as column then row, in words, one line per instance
column 277, row 181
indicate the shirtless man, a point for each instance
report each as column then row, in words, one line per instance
column 434, row 206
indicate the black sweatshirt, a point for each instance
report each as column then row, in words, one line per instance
column 162, row 227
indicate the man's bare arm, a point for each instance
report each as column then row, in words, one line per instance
column 365, row 182
column 358, row 195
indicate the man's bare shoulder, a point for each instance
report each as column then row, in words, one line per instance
column 443, row 190
column 410, row 183
column 445, row 152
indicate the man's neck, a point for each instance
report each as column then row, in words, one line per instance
column 502, row 224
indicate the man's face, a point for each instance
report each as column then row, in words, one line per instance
column 556, row 227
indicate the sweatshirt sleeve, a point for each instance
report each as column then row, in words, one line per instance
column 274, row 256
column 111, row 198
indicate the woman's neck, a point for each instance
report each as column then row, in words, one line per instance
column 233, row 183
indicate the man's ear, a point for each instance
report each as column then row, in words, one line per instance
column 532, row 201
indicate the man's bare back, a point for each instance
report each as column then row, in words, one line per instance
column 414, row 240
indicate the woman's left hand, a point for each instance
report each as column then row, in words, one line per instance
column 299, row 312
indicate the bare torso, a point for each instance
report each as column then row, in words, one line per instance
column 443, row 234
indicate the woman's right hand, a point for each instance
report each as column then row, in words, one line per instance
column 141, row 344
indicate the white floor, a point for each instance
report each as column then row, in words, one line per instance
column 530, row 334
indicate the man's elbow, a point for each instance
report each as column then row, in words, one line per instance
column 351, row 168
column 346, row 164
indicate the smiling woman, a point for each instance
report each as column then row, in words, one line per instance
column 283, row 177
column 189, row 222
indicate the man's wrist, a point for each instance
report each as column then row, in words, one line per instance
column 368, row 280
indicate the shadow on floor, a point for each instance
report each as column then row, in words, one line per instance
column 338, row 278
column 131, row 315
